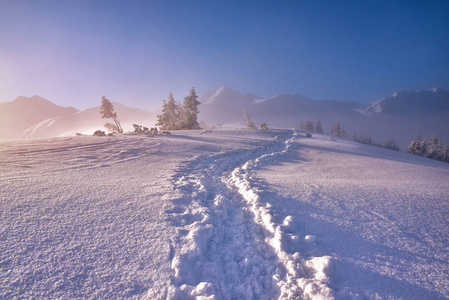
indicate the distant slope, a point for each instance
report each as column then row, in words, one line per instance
column 399, row 116
column 404, row 103
column 406, row 113
column 224, row 105
column 89, row 120
column 23, row 112
column 290, row 110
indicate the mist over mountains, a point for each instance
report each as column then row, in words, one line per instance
column 36, row 117
column 399, row 116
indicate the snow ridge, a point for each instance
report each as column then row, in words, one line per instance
column 228, row 245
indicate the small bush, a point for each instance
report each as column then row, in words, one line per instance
column 99, row 133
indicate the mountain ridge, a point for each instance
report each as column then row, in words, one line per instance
column 399, row 116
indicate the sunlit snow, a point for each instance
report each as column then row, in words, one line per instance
column 220, row 214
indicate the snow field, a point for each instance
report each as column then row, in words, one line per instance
column 220, row 214
column 232, row 247
column 80, row 218
column 380, row 215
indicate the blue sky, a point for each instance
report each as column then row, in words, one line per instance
column 136, row 52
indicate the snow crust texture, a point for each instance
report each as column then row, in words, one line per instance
column 230, row 245
column 220, row 214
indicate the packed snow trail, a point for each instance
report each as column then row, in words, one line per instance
column 228, row 245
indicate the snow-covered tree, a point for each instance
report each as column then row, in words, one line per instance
column 107, row 112
column 365, row 139
column 171, row 114
column 317, row 127
column 338, row 131
column 417, row 146
column 431, row 148
column 249, row 124
column 445, row 154
column 189, row 115
column 162, row 120
column 434, row 148
column 391, row 144
column 307, row 125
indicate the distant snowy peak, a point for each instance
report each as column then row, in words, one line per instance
column 215, row 96
column 38, row 101
column 376, row 106
column 415, row 102
column 288, row 98
column 226, row 95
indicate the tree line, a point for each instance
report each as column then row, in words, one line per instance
column 339, row 131
column 175, row 116
column 431, row 148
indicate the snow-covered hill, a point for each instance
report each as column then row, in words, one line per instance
column 221, row 214
column 22, row 113
column 37, row 117
column 88, row 121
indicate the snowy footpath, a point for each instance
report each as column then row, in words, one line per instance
column 230, row 244
column 220, row 214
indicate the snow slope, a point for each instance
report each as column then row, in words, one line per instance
column 88, row 121
column 220, row 215
column 22, row 113
column 380, row 215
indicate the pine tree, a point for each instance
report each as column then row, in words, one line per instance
column 249, row 125
column 446, row 154
column 391, row 144
column 174, row 113
column 162, row 120
column 365, row 139
column 417, row 146
column 170, row 118
column 190, row 112
column 317, row 127
column 434, row 148
column 338, row 131
column 307, row 125
column 107, row 112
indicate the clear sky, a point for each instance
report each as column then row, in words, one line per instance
column 136, row 52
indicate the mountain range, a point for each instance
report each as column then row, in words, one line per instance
column 36, row 117
column 399, row 116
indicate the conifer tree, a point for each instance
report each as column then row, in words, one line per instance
column 338, row 131
column 174, row 113
column 107, row 112
column 190, row 111
column 317, row 127
column 170, row 118
column 249, row 124
column 417, row 146
column 391, row 144
column 307, row 125
column 162, row 120
column 434, row 148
